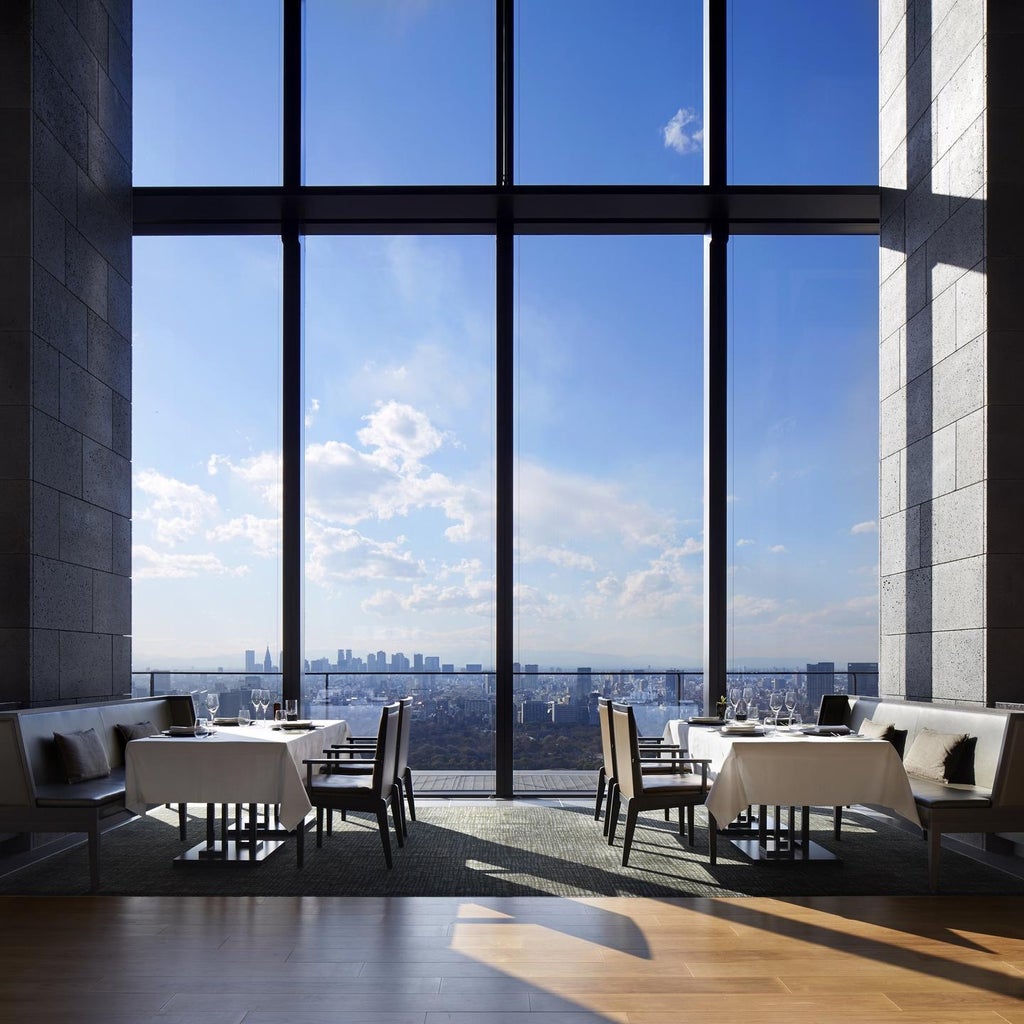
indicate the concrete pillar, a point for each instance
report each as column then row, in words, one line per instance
column 952, row 471
column 65, row 352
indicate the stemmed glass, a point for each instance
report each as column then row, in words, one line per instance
column 790, row 704
column 775, row 703
column 748, row 696
column 213, row 703
column 254, row 698
column 734, row 697
column 264, row 701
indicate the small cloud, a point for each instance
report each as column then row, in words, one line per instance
column 745, row 542
column 869, row 526
column 149, row 564
column 683, row 133
column 773, row 476
column 314, row 408
column 778, row 549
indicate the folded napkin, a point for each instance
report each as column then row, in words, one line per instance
column 183, row 730
column 225, row 721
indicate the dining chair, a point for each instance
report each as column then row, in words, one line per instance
column 606, row 776
column 648, row 792
column 403, row 773
column 375, row 791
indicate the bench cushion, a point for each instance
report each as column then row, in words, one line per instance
column 93, row 793
column 83, row 755
column 945, row 795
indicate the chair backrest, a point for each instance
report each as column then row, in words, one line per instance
column 604, row 718
column 834, row 709
column 627, row 750
column 387, row 748
column 404, row 721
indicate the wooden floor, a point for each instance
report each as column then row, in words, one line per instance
column 524, row 960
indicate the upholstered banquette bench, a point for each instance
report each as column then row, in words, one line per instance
column 965, row 764
column 62, row 768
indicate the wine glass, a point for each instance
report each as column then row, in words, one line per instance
column 775, row 704
column 213, row 703
column 734, row 699
column 790, row 699
column 264, row 701
column 254, row 697
column 748, row 697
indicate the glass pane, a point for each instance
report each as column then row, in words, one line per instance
column 803, row 469
column 399, row 93
column 206, row 466
column 207, row 92
column 608, row 489
column 400, row 488
column 607, row 94
column 803, row 92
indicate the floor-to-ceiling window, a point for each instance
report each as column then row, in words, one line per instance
column 498, row 459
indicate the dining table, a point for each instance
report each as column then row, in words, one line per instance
column 790, row 768
column 259, row 765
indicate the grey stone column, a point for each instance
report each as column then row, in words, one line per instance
column 952, row 469
column 65, row 352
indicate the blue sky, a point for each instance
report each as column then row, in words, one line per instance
column 399, row 332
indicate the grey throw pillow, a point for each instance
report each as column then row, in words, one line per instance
column 83, row 754
column 136, row 731
column 876, row 730
column 934, row 755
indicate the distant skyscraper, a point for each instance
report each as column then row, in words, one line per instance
column 268, row 661
column 863, row 678
column 583, row 686
column 417, row 662
column 432, row 663
column 250, row 661
column 821, row 679
column 532, row 712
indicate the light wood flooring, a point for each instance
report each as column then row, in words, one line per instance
column 539, row 960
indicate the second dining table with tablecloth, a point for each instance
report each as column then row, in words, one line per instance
column 797, row 770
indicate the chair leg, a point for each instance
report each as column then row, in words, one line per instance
column 320, row 826
column 627, row 838
column 397, row 815
column 382, row 824
column 400, row 797
column 613, row 814
column 300, row 843
column 712, row 839
column 407, row 785
column 609, row 799
column 690, row 815
column 600, row 794
column 182, row 819
column 837, row 822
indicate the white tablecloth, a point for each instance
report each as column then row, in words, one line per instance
column 797, row 770
column 253, row 764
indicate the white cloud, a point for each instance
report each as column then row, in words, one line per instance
column 654, row 591
column 400, row 435
column 263, row 534
column 314, row 408
column 744, row 542
column 778, row 549
column 261, row 472
column 338, row 555
column 472, row 597
column 745, row 606
column 176, row 509
column 684, row 133
column 559, row 509
column 148, row 564
column 560, row 556
column 869, row 526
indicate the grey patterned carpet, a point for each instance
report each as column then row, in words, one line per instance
column 505, row 849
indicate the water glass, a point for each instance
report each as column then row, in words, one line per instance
column 291, row 710
column 243, row 715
